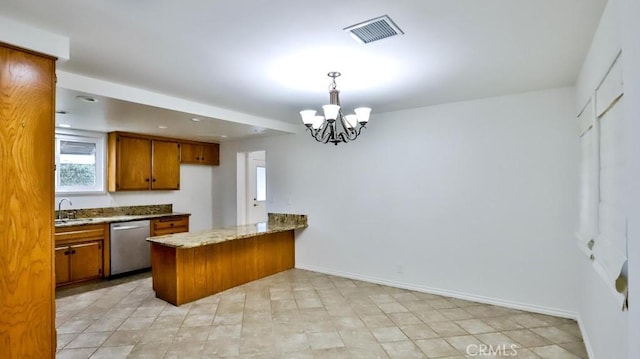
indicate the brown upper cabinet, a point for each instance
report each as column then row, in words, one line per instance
column 138, row 162
column 200, row 153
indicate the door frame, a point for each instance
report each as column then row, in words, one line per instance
column 242, row 189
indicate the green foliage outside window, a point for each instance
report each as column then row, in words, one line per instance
column 75, row 174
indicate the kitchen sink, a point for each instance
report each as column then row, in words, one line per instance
column 73, row 220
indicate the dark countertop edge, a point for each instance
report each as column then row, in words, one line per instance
column 292, row 227
column 117, row 219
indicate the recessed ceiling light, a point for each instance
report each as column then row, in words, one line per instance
column 64, row 125
column 87, row 99
column 162, row 127
column 195, row 119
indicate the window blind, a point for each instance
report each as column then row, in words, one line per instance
column 610, row 248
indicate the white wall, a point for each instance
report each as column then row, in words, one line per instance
column 195, row 196
column 474, row 199
column 630, row 10
column 604, row 325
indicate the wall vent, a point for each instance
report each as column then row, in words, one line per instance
column 374, row 29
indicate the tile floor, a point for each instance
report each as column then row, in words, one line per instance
column 300, row 314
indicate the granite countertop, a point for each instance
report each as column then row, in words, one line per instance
column 117, row 218
column 276, row 223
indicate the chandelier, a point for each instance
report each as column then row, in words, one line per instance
column 335, row 127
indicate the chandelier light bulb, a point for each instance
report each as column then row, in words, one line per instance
column 363, row 114
column 351, row 121
column 331, row 112
column 308, row 116
column 317, row 122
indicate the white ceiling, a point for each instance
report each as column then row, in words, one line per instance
column 270, row 58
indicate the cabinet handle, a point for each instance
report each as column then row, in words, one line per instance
column 66, row 253
column 73, row 251
column 146, row 180
column 197, row 158
column 172, row 224
column 154, row 180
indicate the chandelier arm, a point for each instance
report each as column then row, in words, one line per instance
column 317, row 135
column 327, row 132
column 348, row 133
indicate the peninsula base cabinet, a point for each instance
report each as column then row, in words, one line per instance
column 183, row 275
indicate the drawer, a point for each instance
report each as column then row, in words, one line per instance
column 173, row 222
column 165, row 231
column 74, row 233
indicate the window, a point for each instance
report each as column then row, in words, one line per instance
column 261, row 183
column 79, row 162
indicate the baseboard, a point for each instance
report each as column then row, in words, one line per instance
column 448, row 293
column 585, row 338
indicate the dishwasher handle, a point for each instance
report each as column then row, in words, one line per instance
column 121, row 228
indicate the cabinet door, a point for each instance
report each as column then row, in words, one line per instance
column 166, row 165
column 62, row 265
column 210, row 154
column 134, row 163
column 190, row 153
column 86, row 260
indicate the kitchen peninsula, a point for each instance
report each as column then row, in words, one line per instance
column 189, row 266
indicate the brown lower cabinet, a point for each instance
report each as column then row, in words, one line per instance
column 169, row 225
column 78, row 262
column 81, row 253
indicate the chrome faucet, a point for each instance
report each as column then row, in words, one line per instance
column 60, row 206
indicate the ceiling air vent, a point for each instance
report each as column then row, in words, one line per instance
column 374, row 30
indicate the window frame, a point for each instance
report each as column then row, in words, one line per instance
column 100, row 140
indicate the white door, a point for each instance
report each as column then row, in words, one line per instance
column 256, row 187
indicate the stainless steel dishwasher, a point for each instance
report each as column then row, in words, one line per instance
column 129, row 246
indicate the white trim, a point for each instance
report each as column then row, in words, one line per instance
column 100, row 139
column 586, row 118
column 449, row 293
column 582, row 242
column 585, row 337
column 241, row 192
column 28, row 37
